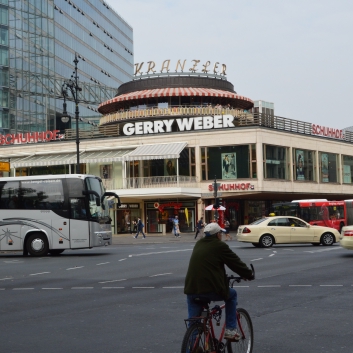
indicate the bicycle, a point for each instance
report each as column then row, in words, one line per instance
column 200, row 335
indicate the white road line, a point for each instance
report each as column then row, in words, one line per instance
column 103, row 263
column 40, row 273
column 159, row 252
column 113, row 287
column 51, row 288
column 114, row 280
column 161, row 274
column 300, row 285
column 22, row 288
column 275, row 251
column 122, row 259
column 143, row 287
column 271, row 255
column 173, row 287
column 74, row 268
column 240, row 286
column 287, row 249
column 270, row 286
column 82, row 287
column 13, row 262
column 257, row 259
column 4, row 279
column 2, row 288
column 322, row 250
column 331, row 285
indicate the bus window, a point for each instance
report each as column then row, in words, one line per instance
column 78, row 208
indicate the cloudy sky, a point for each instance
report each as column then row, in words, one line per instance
column 296, row 54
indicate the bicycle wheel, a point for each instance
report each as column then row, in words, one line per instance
column 245, row 344
column 194, row 340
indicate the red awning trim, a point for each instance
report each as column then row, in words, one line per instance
column 170, row 92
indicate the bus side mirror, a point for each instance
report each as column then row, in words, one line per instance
column 98, row 201
column 95, row 193
column 109, row 193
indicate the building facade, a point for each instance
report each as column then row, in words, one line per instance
column 164, row 139
column 39, row 40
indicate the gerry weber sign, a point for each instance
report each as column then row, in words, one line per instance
column 182, row 124
column 217, row 67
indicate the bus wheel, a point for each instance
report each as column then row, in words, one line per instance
column 37, row 244
column 327, row 239
column 56, row 252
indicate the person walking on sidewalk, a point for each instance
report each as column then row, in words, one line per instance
column 140, row 226
column 176, row 227
column 227, row 227
column 199, row 226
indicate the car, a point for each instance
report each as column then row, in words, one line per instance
column 268, row 231
column 347, row 237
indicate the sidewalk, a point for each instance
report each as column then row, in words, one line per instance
column 153, row 238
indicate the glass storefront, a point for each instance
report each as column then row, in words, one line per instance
column 304, row 165
column 347, row 169
column 328, row 167
column 126, row 215
column 275, row 162
column 161, row 214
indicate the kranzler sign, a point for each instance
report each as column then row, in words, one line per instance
column 30, row 137
column 182, row 124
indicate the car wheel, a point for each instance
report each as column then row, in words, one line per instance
column 257, row 245
column 327, row 239
column 37, row 244
column 266, row 241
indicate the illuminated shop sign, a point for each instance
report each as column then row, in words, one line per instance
column 30, row 137
column 233, row 186
column 326, row 131
column 129, row 206
column 182, row 124
column 216, row 68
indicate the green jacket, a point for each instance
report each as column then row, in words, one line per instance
column 206, row 272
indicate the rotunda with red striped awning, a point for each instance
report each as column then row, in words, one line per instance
column 181, row 95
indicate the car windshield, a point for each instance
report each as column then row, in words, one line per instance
column 259, row 221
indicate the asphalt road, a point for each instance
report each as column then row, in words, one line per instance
column 129, row 298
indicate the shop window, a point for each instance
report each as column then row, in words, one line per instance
column 225, row 162
column 328, row 167
column 275, row 162
column 347, row 169
column 304, row 165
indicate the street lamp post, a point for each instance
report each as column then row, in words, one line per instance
column 72, row 85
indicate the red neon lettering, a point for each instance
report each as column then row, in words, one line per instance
column 2, row 139
column 48, row 136
column 210, row 188
column 232, row 186
column 6, row 139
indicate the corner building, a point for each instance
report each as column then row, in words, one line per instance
column 166, row 137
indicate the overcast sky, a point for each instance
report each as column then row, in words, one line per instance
column 296, row 54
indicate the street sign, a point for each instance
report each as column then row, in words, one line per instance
column 4, row 166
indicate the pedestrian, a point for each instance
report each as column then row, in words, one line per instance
column 140, row 226
column 199, row 226
column 226, row 227
column 206, row 276
column 134, row 226
column 176, row 227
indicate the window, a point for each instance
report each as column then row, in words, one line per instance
column 347, row 169
column 296, row 223
column 275, row 162
column 279, row 222
column 328, row 167
column 304, row 165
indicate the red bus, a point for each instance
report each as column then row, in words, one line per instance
column 319, row 212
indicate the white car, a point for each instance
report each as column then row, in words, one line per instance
column 347, row 237
column 285, row 230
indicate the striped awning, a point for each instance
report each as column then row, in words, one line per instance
column 160, row 151
column 169, row 92
column 102, row 156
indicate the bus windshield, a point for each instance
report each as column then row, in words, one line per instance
column 94, row 184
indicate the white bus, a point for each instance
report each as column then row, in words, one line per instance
column 50, row 213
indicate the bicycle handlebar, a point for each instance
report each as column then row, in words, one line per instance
column 232, row 279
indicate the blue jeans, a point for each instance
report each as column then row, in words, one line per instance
column 194, row 309
column 140, row 231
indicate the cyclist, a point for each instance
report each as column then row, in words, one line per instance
column 206, row 276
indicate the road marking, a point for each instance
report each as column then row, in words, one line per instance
column 103, row 263
column 173, row 287
column 113, row 287
column 322, row 250
column 13, row 262
column 122, row 259
column 300, row 285
column 114, row 280
column 82, row 287
column 2, row 288
column 240, row 286
column 271, row 255
column 288, row 249
column 40, row 273
column 51, row 288
column 159, row 252
column 74, row 268
column 331, row 285
column 257, row 259
column 4, row 279
column 161, row 274
column 143, row 287
column 22, row 288
column 270, row 286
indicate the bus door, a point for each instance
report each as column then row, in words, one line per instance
column 79, row 225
